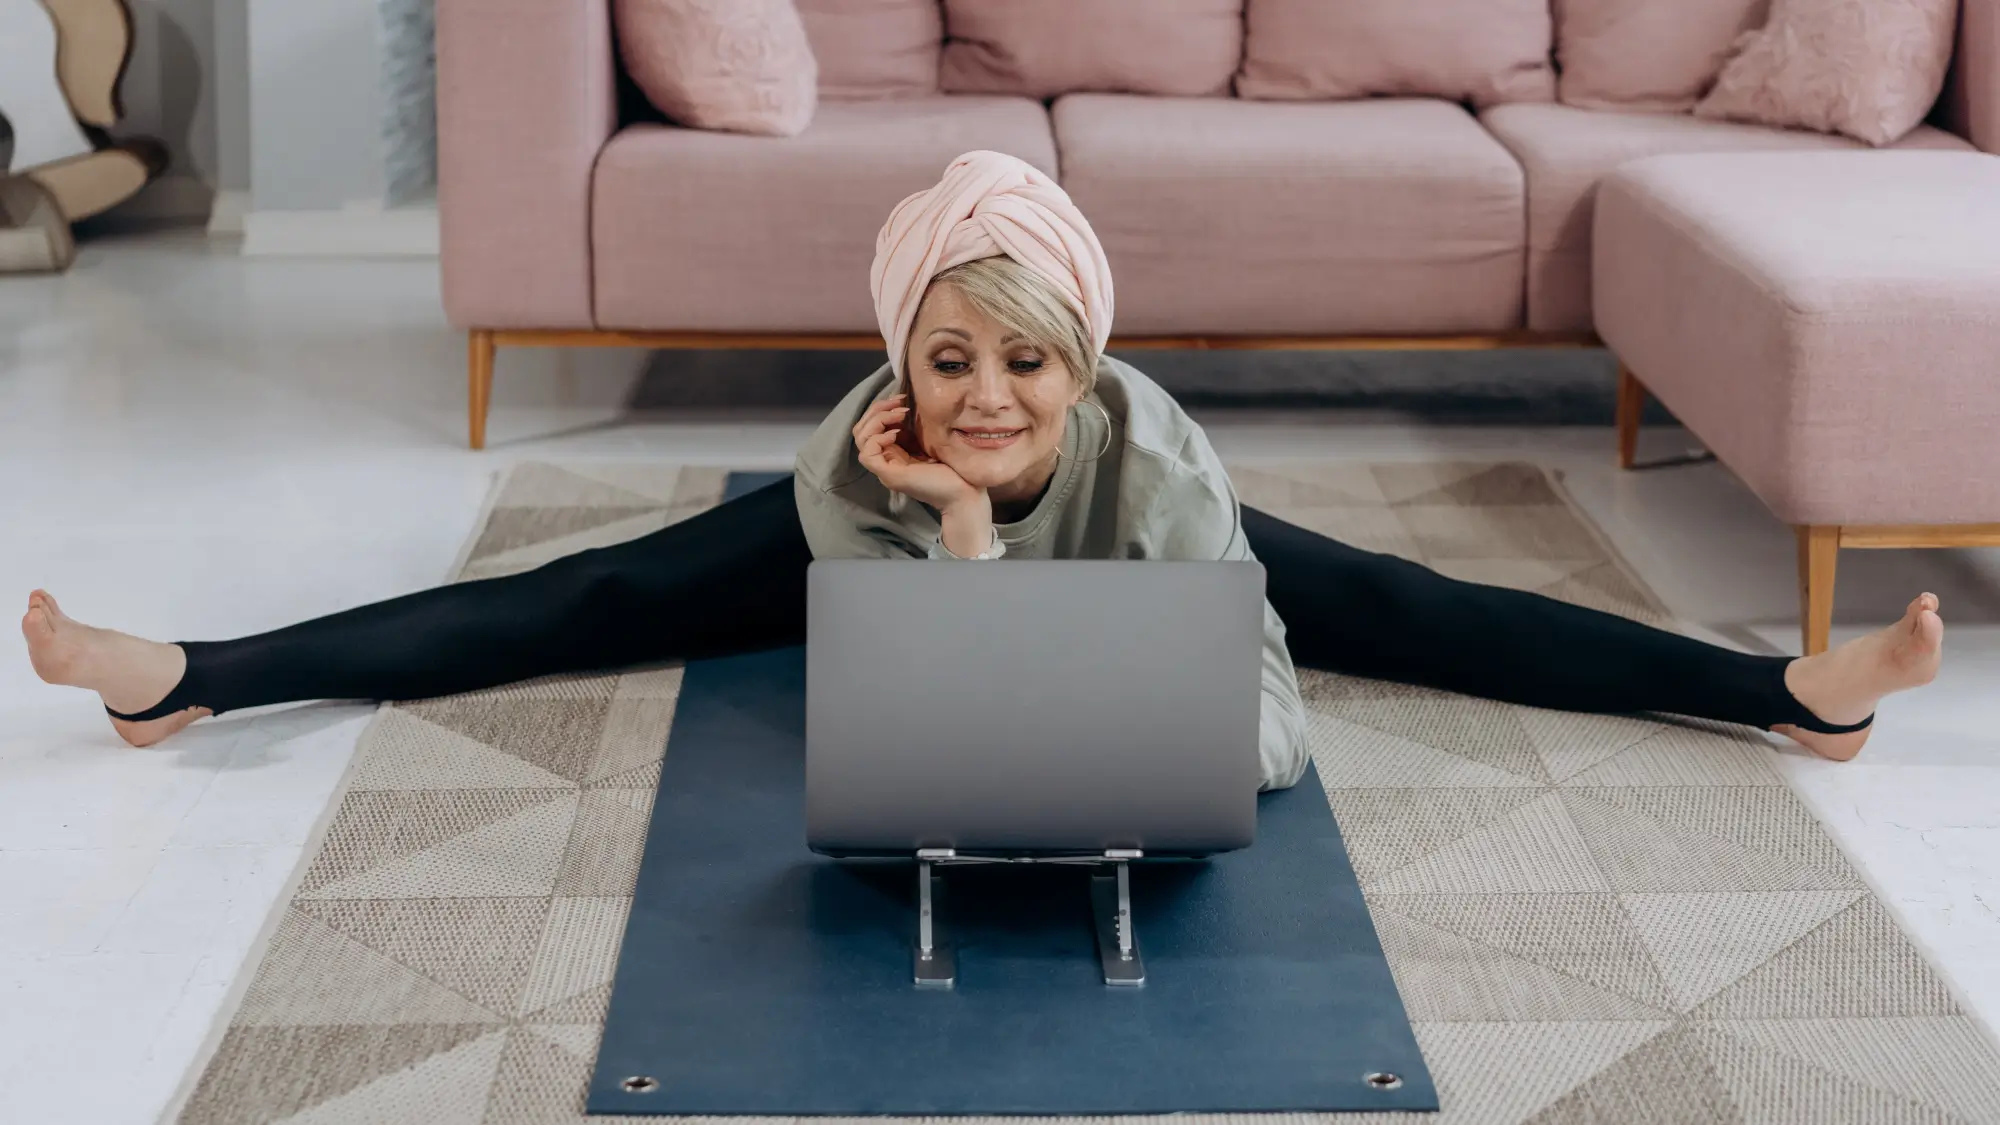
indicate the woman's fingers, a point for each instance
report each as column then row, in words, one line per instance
column 876, row 440
column 880, row 415
column 870, row 451
column 881, row 455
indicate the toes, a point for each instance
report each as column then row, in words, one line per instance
column 1930, row 629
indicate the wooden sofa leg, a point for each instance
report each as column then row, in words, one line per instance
column 1631, row 406
column 479, row 383
column 1819, row 549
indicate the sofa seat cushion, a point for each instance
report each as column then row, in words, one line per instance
column 1227, row 217
column 717, row 232
column 1566, row 151
column 1825, row 322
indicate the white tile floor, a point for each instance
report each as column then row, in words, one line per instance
column 196, row 445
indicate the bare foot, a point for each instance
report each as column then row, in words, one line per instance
column 127, row 673
column 1843, row 685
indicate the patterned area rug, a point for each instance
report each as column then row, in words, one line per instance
column 1591, row 919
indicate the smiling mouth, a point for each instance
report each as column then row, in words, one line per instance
column 987, row 439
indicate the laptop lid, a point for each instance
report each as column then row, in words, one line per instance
column 1035, row 707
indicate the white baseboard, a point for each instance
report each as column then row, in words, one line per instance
column 226, row 217
column 400, row 232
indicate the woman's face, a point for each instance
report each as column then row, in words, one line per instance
column 989, row 404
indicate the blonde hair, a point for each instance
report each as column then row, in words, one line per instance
column 1021, row 301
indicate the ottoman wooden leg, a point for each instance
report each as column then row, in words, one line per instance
column 479, row 384
column 1631, row 406
column 1819, row 549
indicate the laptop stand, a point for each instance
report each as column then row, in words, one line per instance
column 1110, row 902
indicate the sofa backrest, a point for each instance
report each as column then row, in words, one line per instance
column 874, row 48
column 1046, row 48
column 897, row 48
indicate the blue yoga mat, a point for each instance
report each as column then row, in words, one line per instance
column 759, row 978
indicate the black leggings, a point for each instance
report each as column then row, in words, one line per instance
column 733, row 579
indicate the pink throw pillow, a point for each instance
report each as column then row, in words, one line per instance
column 1043, row 48
column 875, row 48
column 1482, row 51
column 1646, row 55
column 1870, row 69
column 743, row 66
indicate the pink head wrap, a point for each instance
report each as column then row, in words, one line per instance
column 988, row 204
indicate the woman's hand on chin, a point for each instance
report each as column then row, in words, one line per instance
column 921, row 478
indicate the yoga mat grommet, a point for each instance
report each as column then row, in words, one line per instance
column 1383, row 1080
column 640, row 1084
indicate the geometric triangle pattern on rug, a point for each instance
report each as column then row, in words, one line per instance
column 1941, row 1055
column 1782, row 1088
column 1664, row 1081
column 1448, row 978
column 1639, row 854
column 1589, row 937
column 1516, row 1070
column 1360, row 756
column 1591, row 919
column 418, row 1092
column 1706, row 942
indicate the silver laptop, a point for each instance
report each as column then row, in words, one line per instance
column 1032, row 707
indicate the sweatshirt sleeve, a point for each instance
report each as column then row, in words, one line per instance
column 1195, row 515
column 838, row 528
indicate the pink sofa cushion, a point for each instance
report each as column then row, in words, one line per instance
column 1566, row 151
column 1870, row 69
column 739, row 65
column 1846, row 380
column 705, row 231
column 1233, row 217
column 874, row 48
column 1646, row 55
column 1481, row 51
column 1042, row 48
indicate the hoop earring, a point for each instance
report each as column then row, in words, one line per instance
column 1107, row 435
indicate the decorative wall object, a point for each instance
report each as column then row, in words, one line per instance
column 409, row 98
column 60, row 65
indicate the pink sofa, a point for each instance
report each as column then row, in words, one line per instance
column 1318, row 222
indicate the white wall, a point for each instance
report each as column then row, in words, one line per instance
column 282, row 101
column 230, row 81
column 315, row 105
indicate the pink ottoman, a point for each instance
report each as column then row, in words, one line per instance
column 1828, row 323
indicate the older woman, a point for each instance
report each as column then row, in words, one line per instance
column 996, row 429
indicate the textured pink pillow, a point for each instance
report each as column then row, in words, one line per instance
column 1042, row 48
column 738, row 65
column 1646, row 55
column 1870, row 69
column 875, row 48
column 1481, row 51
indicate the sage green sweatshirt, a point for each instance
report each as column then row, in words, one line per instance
column 1158, row 492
